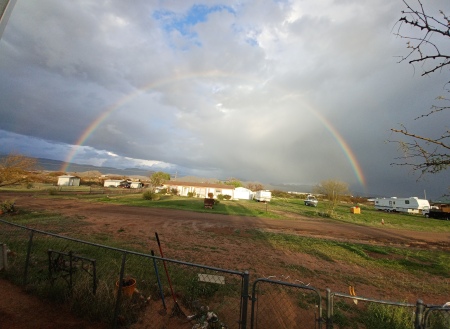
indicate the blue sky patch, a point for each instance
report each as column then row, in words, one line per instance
column 183, row 22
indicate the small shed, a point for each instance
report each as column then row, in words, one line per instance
column 242, row 193
column 68, row 180
column 136, row 185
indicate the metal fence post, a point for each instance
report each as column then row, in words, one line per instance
column 420, row 307
column 119, row 290
column 244, row 300
column 27, row 261
column 329, row 323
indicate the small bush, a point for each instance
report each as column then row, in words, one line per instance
column 52, row 191
column 220, row 197
column 227, row 197
column 149, row 195
column 191, row 194
column 7, row 206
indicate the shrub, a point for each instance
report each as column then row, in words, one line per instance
column 227, row 197
column 7, row 206
column 52, row 191
column 190, row 194
column 220, row 196
column 149, row 195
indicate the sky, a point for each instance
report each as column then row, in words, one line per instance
column 272, row 91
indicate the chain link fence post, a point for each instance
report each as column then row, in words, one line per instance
column 27, row 260
column 244, row 299
column 420, row 307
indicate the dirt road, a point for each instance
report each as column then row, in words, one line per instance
column 137, row 219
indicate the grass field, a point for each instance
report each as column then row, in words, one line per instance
column 277, row 208
column 381, row 267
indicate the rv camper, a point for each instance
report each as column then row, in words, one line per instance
column 411, row 205
column 263, row 196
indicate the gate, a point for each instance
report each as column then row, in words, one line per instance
column 277, row 304
column 437, row 317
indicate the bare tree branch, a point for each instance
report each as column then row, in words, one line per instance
column 424, row 153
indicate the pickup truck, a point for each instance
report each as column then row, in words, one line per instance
column 436, row 212
column 311, row 201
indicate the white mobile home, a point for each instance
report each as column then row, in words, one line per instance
column 200, row 190
column 410, row 205
column 114, row 182
column 68, row 180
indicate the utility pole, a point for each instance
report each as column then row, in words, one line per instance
column 6, row 7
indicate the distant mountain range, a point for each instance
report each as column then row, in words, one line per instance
column 56, row 165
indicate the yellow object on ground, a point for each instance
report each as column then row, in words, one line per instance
column 355, row 210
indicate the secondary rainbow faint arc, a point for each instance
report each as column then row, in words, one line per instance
column 98, row 121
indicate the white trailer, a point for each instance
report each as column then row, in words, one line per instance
column 263, row 195
column 412, row 205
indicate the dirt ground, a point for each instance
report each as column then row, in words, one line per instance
column 190, row 236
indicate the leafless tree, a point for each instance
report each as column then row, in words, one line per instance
column 333, row 191
column 14, row 169
column 426, row 35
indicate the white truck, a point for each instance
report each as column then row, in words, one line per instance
column 263, row 196
column 412, row 205
column 311, row 201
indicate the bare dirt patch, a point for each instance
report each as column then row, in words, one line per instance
column 225, row 242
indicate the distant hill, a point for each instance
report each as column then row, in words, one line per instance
column 56, row 165
column 75, row 168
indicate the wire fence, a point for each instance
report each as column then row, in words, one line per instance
column 123, row 287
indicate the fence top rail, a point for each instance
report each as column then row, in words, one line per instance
column 289, row 284
column 366, row 299
column 126, row 251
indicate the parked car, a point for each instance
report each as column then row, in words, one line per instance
column 311, row 201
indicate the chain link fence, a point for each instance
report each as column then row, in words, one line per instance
column 123, row 287
column 277, row 304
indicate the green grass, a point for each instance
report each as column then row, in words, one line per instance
column 417, row 262
column 278, row 208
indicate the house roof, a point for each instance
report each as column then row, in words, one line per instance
column 68, row 176
column 176, row 183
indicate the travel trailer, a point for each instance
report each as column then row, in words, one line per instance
column 411, row 205
column 263, row 195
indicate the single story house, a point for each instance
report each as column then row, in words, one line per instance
column 200, row 190
column 114, row 182
column 68, row 180
column 242, row 193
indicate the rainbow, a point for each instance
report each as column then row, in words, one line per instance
column 344, row 146
column 127, row 98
